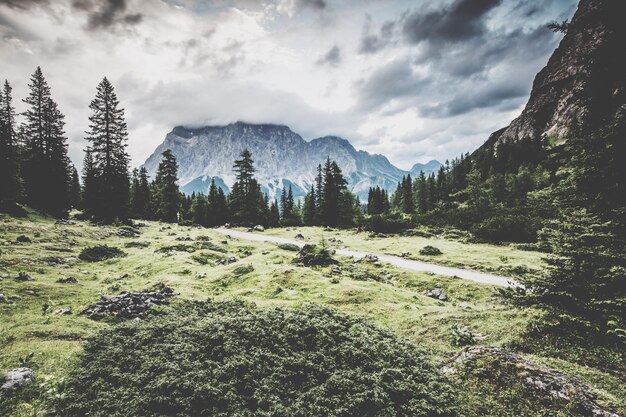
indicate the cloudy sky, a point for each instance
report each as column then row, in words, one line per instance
column 413, row 80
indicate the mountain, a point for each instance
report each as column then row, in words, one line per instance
column 583, row 79
column 428, row 168
column 282, row 158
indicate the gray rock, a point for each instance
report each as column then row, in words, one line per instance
column 259, row 228
column 201, row 275
column 128, row 304
column 226, row 260
column 3, row 299
column 23, row 239
column 63, row 312
column 545, row 382
column 299, row 236
column 439, row 293
column 14, row 379
column 23, row 276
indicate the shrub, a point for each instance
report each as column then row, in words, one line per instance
column 386, row 223
column 461, row 336
column 430, row 251
column 100, row 253
column 230, row 359
column 210, row 246
column 179, row 247
column 243, row 270
column 136, row 244
column 312, row 255
column 289, row 246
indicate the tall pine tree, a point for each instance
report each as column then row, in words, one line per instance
column 165, row 195
column 108, row 139
column 10, row 182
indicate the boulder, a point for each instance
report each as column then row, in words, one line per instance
column 23, row 239
column 23, row 276
column 226, row 260
column 63, row 312
column 259, row 228
column 544, row 382
column 299, row 236
column 14, row 379
column 3, row 298
column 438, row 293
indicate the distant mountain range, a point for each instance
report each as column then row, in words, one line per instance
column 282, row 158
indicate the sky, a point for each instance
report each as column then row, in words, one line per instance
column 412, row 80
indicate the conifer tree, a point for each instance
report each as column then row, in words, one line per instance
column 45, row 164
column 274, row 215
column 218, row 210
column 309, row 208
column 140, row 194
column 89, row 191
column 165, row 194
column 199, row 209
column 247, row 203
column 75, row 190
column 10, row 181
column 108, row 139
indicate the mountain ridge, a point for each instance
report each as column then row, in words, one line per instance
column 282, row 158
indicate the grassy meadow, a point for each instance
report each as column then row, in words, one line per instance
column 180, row 257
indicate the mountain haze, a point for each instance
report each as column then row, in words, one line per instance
column 282, row 158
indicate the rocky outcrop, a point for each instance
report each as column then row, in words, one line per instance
column 584, row 78
column 128, row 304
column 14, row 379
column 545, row 383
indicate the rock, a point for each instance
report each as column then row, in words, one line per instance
column 123, row 276
column 405, row 254
column 299, row 236
column 63, row 312
column 250, row 229
column 184, row 239
column 23, row 276
column 545, row 382
column 371, row 258
column 127, row 233
column 377, row 263
column 259, row 228
column 201, row 275
column 244, row 252
column 128, row 304
column 226, row 260
column 334, row 240
column 439, row 293
column 67, row 280
column 23, row 239
column 64, row 222
column 16, row 378
column 3, row 299
column 381, row 235
column 334, row 269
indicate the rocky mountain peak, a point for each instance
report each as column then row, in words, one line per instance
column 584, row 78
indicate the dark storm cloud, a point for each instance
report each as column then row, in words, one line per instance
column 312, row 4
column 393, row 81
column 332, row 57
column 374, row 42
column 461, row 20
column 105, row 13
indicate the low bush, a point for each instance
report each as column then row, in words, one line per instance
column 136, row 244
column 386, row 223
column 231, row 359
column 243, row 270
column 429, row 250
column 312, row 255
column 100, row 253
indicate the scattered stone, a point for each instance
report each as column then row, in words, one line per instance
column 3, row 299
column 377, row 263
column 289, row 246
column 543, row 381
column 123, row 276
column 334, row 240
column 371, row 258
column 405, row 254
column 23, row 276
column 334, row 269
column 64, row 222
column 201, row 275
column 438, row 292
column 184, row 239
column 16, row 378
column 63, row 312
column 250, row 229
column 128, row 304
column 244, row 252
column 259, row 228
column 67, row 280
column 140, row 225
column 226, row 260
column 299, row 236
column 127, row 233
column 381, row 235
column 23, row 239
column 388, row 276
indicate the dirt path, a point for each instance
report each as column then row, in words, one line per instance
column 476, row 276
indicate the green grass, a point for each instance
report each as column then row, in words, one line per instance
column 268, row 278
column 505, row 260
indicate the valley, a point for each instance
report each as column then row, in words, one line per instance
column 33, row 318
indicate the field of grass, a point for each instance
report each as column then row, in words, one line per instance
column 388, row 296
column 506, row 260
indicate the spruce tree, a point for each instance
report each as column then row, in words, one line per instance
column 309, row 208
column 108, row 139
column 247, row 203
column 45, row 163
column 140, row 194
column 274, row 215
column 199, row 209
column 165, row 194
column 89, row 196
column 10, row 181
column 75, row 190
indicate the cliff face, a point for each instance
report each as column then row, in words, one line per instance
column 584, row 78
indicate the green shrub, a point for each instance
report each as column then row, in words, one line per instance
column 243, row 270
column 289, row 246
column 136, row 244
column 100, row 253
column 461, row 336
column 430, row 251
column 203, row 258
column 386, row 223
column 210, row 246
column 230, row 359
column 312, row 255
